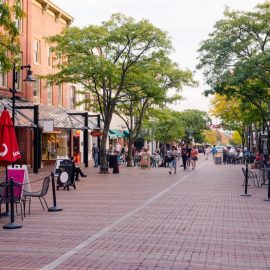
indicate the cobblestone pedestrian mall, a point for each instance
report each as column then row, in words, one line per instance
column 145, row 219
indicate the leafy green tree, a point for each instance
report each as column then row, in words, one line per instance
column 166, row 125
column 235, row 58
column 194, row 122
column 210, row 137
column 234, row 114
column 236, row 138
column 104, row 60
column 152, row 80
column 9, row 34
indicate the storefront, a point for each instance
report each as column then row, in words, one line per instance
column 60, row 132
column 56, row 145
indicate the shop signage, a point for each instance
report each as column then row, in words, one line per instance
column 47, row 125
column 96, row 133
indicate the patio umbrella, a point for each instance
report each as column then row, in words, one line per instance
column 9, row 150
column 9, row 153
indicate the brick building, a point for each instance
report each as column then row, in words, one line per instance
column 53, row 102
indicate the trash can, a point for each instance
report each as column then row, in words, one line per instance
column 218, row 160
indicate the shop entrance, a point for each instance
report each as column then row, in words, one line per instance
column 76, row 149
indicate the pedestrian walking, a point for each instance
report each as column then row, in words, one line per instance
column 184, row 153
column 207, row 152
column 213, row 151
column 193, row 157
column 173, row 154
column 95, row 152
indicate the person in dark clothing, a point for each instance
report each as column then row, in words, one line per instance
column 184, row 153
column 77, row 171
column 114, row 162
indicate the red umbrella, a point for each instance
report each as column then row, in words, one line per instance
column 9, row 150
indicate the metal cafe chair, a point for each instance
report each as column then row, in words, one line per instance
column 38, row 194
column 5, row 196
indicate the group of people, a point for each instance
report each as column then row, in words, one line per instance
column 188, row 154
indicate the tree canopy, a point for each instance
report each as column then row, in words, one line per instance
column 118, row 63
column 9, row 33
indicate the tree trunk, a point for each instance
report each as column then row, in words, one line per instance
column 130, row 149
column 103, row 155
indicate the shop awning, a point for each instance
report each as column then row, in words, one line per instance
column 126, row 133
column 60, row 116
column 21, row 119
column 118, row 133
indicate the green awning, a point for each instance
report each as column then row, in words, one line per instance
column 126, row 133
column 118, row 133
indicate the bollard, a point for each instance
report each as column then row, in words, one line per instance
column 54, row 208
column 268, row 199
column 246, row 183
column 12, row 224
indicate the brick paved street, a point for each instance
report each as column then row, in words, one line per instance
column 144, row 220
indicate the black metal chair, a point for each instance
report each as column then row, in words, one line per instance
column 38, row 194
column 5, row 197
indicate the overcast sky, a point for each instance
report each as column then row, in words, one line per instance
column 188, row 22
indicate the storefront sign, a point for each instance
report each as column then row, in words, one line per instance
column 47, row 125
column 96, row 133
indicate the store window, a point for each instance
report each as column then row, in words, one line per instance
column 55, row 145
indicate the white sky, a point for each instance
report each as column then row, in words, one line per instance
column 188, row 22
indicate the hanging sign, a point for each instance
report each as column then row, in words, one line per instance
column 96, row 133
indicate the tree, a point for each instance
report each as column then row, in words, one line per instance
column 235, row 58
column 234, row 114
column 194, row 122
column 9, row 34
column 166, row 125
column 155, row 78
column 210, row 137
column 236, row 138
column 104, row 59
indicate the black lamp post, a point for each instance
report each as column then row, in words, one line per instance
column 13, row 90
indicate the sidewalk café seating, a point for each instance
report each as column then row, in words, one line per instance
column 253, row 176
column 6, row 198
column 39, row 194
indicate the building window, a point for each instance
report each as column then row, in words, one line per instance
column 50, row 94
column 60, row 95
column 73, row 97
column 49, row 57
column 37, row 51
column 87, row 101
column 19, row 21
column 36, row 90
column 3, row 78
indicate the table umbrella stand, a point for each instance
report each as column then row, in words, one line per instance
column 7, row 213
column 54, row 208
column 12, row 224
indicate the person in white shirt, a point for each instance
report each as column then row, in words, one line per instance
column 118, row 147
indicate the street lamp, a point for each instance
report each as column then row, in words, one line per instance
column 13, row 90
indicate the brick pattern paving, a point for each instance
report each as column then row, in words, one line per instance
column 144, row 220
